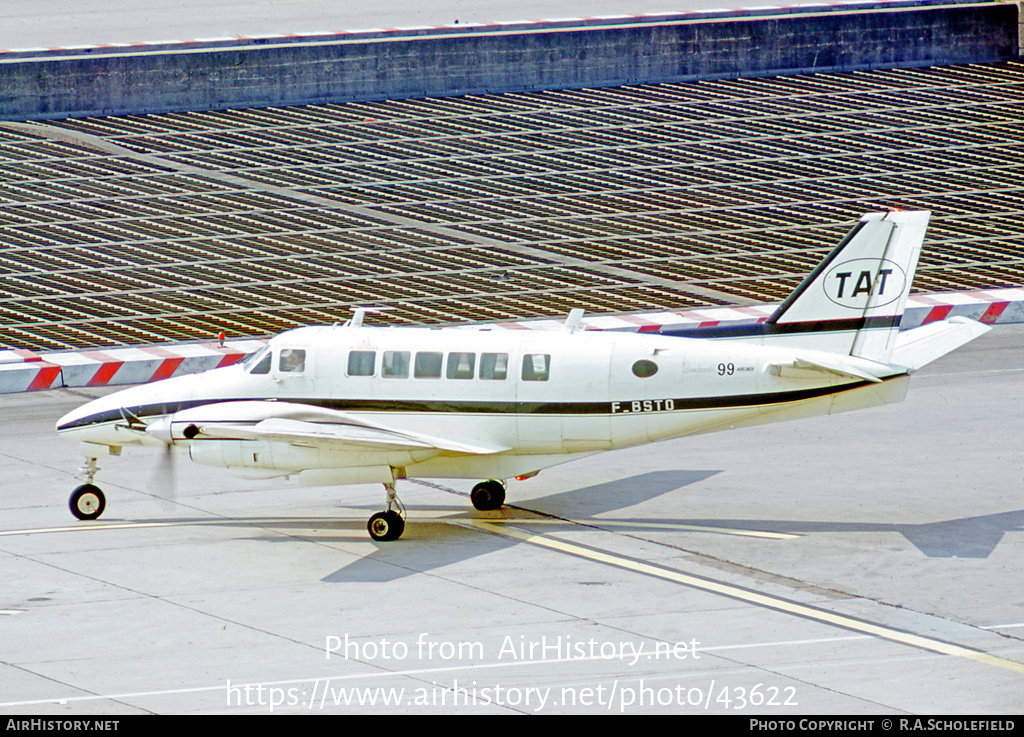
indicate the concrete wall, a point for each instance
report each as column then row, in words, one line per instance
column 473, row 59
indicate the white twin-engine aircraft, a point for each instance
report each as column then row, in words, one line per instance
column 351, row 404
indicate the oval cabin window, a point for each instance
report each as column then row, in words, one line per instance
column 644, row 368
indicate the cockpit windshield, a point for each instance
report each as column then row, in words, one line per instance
column 258, row 362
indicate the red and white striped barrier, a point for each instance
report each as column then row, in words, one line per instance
column 991, row 307
column 22, row 370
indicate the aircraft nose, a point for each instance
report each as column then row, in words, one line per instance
column 80, row 421
column 72, row 419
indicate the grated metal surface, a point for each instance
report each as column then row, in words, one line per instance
column 173, row 227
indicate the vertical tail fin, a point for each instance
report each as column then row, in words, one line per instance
column 853, row 300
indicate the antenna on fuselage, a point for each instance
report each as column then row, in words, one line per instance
column 573, row 320
column 358, row 313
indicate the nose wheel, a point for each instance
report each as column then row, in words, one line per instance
column 87, row 502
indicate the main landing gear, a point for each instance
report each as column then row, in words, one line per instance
column 87, row 501
column 390, row 524
column 488, row 495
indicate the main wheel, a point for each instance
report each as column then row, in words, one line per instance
column 488, row 495
column 386, row 526
column 87, row 502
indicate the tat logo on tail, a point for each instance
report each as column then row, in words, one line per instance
column 864, row 282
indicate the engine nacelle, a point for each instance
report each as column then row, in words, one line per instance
column 254, row 454
column 287, row 458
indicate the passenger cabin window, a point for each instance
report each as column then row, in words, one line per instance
column 293, row 360
column 494, row 366
column 535, row 366
column 360, row 363
column 395, row 365
column 428, row 365
column 461, row 365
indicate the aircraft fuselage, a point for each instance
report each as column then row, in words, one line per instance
column 527, row 400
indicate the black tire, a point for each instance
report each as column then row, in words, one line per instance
column 488, row 495
column 87, row 502
column 386, row 526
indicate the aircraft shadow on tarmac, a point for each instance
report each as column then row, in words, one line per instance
column 968, row 537
column 432, row 543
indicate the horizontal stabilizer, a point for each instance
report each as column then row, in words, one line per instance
column 920, row 346
column 803, row 367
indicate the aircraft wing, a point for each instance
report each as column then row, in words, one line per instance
column 315, row 427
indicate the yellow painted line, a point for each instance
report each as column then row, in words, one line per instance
column 283, row 521
column 227, row 521
column 655, row 526
column 78, row 528
column 752, row 597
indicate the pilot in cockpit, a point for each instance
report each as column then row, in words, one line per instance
column 292, row 360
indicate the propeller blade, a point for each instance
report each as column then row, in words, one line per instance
column 163, row 480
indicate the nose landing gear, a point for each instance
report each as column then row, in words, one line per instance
column 87, row 501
